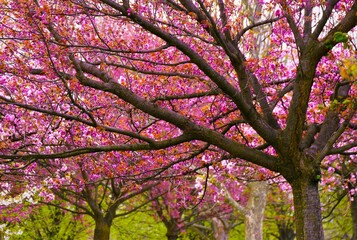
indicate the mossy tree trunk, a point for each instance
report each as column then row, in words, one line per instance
column 102, row 228
column 173, row 230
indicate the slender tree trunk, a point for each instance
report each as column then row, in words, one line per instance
column 354, row 217
column 220, row 229
column 307, row 206
column 102, row 229
column 255, row 207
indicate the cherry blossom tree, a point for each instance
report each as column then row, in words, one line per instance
column 175, row 81
column 47, row 222
column 100, row 199
column 98, row 186
column 179, row 213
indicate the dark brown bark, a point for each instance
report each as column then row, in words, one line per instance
column 102, row 229
column 308, row 218
column 171, row 237
column 173, row 230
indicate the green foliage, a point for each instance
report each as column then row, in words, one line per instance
column 318, row 177
column 279, row 215
column 138, row 225
column 48, row 223
column 336, row 216
column 205, row 232
column 237, row 232
column 339, row 37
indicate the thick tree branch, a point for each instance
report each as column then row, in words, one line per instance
column 185, row 124
column 301, row 95
column 93, row 149
column 307, row 20
column 345, row 25
column 247, row 109
column 310, row 136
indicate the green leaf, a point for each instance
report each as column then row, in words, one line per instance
column 346, row 102
column 320, row 106
column 340, row 37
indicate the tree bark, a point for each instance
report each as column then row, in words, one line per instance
column 308, row 218
column 220, row 229
column 254, row 211
column 171, row 236
column 173, row 230
column 102, row 229
column 255, row 207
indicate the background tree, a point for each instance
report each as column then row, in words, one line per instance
column 339, row 200
column 81, row 186
column 48, row 222
column 95, row 191
column 279, row 222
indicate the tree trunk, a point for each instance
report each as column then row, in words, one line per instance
column 171, row 236
column 173, row 230
column 220, row 229
column 256, row 206
column 102, row 229
column 354, row 217
column 307, row 206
